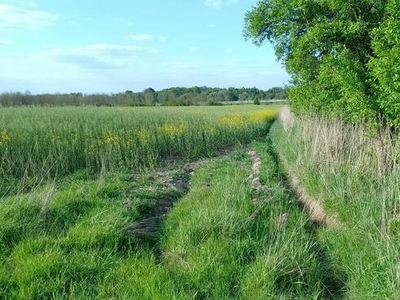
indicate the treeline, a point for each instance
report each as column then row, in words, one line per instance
column 176, row 96
column 343, row 56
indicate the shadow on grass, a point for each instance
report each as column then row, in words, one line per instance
column 146, row 232
column 333, row 284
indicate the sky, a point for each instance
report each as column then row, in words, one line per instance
column 110, row 46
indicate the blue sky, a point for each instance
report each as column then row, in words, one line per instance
column 49, row 46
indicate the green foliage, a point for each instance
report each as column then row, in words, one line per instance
column 385, row 64
column 343, row 56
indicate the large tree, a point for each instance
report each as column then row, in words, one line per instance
column 341, row 54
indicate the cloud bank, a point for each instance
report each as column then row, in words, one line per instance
column 97, row 56
column 13, row 17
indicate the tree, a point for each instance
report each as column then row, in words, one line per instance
column 334, row 51
column 149, row 90
column 385, row 64
column 150, row 96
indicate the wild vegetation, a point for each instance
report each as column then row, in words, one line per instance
column 355, row 176
column 341, row 150
column 92, row 227
column 236, row 234
column 343, row 56
column 176, row 96
column 235, row 230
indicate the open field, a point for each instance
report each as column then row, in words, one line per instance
column 46, row 143
column 84, row 191
column 195, row 203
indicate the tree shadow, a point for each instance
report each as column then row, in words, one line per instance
column 333, row 281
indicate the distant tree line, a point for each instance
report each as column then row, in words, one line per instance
column 175, row 96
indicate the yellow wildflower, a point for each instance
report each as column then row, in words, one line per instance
column 111, row 138
column 263, row 115
column 144, row 136
column 4, row 138
column 173, row 129
column 233, row 120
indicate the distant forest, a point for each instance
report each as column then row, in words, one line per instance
column 176, row 96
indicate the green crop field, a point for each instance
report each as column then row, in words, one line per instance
column 37, row 143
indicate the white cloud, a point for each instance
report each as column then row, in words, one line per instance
column 4, row 42
column 97, row 56
column 13, row 17
column 217, row 4
column 193, row 49
column 145, row 38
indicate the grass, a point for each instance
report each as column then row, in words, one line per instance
column 107, row 225
column 67, row 239
column 63, row 248
column 63, row 231
column 37, row 144
column 224, row 245
column 356, row 176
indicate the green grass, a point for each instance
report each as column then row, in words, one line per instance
column 132, row 229
column 66, row 239
column 62, row 239
column 41, row 143
column 356, row 176
column 224, row 245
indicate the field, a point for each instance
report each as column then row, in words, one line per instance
column 195, row 203
column 38, row 143
column 96, row 203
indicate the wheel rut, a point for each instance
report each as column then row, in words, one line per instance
column 172, row 185
column 333, row 280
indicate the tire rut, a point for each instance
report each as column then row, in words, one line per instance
column 333, row 281
column 147, row 229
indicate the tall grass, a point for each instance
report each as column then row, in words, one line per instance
column 38, row 143
column 356, row 175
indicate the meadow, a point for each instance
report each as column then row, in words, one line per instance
column 47, row 143
column 195, row 203
column 100, row 203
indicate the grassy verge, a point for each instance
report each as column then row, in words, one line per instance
column 356, row 177
column 223, row 240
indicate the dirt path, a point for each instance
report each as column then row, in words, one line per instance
column 172, row 184
column 314, row 208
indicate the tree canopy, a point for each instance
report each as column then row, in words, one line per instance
column 343, row 56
